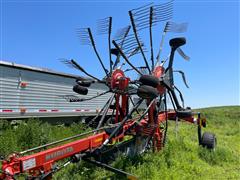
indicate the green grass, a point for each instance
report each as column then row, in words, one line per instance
column 181, row 158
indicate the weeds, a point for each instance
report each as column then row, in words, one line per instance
column 181, row 157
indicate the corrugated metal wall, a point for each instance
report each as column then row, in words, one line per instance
column 40, row 93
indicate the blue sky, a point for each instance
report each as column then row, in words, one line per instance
column 38, row 33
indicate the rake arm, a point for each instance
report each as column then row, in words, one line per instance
column 125, row 57
column 105, row 27
column 183, row 77
column 138, row 41
column 72, row 63
column 96, row 52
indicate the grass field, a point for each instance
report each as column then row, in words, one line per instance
column 181, row 158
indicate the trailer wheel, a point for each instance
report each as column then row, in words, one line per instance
column 209, row 140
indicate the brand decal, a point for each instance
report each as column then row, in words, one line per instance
column 58, row 153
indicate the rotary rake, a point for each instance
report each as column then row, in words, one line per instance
column 127, row 130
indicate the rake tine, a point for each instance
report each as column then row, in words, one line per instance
column 127, row 49
column 125, row 45
column 145, row 12
column 130, row 53
column 105, row 27
column 184, row 56
column 163, row 8
column 160, row 19
column 142, row 17
column 183, row 77
column 130, row 47
column 129, row 69
column 137, row 39
column 164, row 13
column 72, row 63
column 134, row 52
column 139, row 9
column 144, row 24
column 125, row 57
column 109, row 43
column 68, row 63
column 129, row 38
column 129, row 43
column 161, row 45
column 164, row 4
column 81, row 69
column 84, row 36
column 150, row 34
column 147, row 26
column 123, row 34
column 136, row 49
column 177, row 28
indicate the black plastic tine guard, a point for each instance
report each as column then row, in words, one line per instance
column 147, row 92
column 177, row 42
column 85, row 83
column 149, row 80
column 80, row 89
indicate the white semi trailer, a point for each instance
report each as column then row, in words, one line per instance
column 36, row 92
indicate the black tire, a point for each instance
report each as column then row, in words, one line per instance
column 149, row 80
column 209, row 140
column 147, row 92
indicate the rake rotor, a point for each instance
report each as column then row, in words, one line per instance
column 122, row 131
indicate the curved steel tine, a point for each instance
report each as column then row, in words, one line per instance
column 137, row 39
column 165, row 4
column 125, row 57
column 121, row 33
column 177, row 28
column 104, row 26
column 139, row 9
column 184, row 56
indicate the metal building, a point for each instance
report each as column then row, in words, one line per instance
column 35, row 92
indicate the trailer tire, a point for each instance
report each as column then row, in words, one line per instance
column 209, row 140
